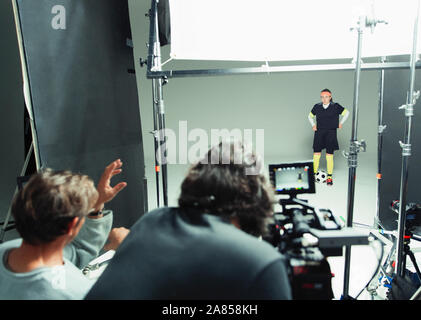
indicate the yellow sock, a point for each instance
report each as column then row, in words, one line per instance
column 316, row 161
column 329, row 162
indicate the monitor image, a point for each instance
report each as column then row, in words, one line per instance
column 292, row 178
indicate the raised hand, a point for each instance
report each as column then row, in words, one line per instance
column 105, row 190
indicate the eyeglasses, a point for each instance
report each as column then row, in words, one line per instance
column 324, row 96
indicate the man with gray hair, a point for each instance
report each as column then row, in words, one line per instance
column 63, row 226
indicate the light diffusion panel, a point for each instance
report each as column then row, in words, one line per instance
column 84, row 100
column 274, row 30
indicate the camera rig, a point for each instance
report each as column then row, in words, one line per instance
column 306, row 235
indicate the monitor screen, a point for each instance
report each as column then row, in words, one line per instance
column 292, row 178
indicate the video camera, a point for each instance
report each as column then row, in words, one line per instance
column 413, row 216
column 307, row 235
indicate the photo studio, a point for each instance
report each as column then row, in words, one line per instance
column 210, row 150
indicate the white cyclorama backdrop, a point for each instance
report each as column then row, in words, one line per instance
column 279, row 103
column 278, row 30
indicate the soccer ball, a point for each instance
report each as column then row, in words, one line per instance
column 321, row 177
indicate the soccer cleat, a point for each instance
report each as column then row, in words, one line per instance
column 329, row 181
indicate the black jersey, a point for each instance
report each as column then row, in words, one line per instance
column 327, row 118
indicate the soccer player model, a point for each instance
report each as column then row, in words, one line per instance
column 324, row 118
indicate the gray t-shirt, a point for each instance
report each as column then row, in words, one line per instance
column 60, row 282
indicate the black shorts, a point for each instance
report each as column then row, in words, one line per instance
column 325, row 139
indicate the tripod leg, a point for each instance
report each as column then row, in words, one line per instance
column 9, row 212
column 414, row 262
column 403, row 263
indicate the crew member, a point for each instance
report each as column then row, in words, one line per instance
column 60, row 218
column 327, row 114
column 208, row 247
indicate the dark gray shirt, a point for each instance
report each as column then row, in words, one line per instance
column 172, row 254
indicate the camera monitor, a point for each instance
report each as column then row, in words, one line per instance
column 292, row 178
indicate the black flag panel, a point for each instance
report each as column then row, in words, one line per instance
column 84, row 100
column 395, row 93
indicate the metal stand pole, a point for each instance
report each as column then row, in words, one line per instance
column 34, row 145
column 161, row 118
column 9, row 212
column 355, row 145
column 381, row 128
column 26, row 89
column 406, row 152
column 353, row 154
column 156, row 141
column 154, row 63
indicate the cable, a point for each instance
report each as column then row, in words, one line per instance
column 361, row 225
column 377, row 269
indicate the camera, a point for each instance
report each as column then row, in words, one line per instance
column 413, row 216
column 306, row 235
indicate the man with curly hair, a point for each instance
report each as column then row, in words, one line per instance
column 208, row 247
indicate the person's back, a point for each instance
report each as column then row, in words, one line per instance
column 60, row 235
column 207, row 248
column 45, row 283
column 187, row 255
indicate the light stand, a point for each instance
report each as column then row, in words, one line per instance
column 355, row 145
column 381, row 129
column 5, row 225
column 34, row 145
column 377, row 225
column 406, row 153
column 403, row 236
column 26, row 90
column 156, row 141
column 154, row 64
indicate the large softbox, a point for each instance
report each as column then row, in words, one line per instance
column 83, row 98
column 274, row 30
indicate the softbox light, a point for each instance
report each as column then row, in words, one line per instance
column 278, row 30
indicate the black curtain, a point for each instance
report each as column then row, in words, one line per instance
column 396, row 88
column 84, row 98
